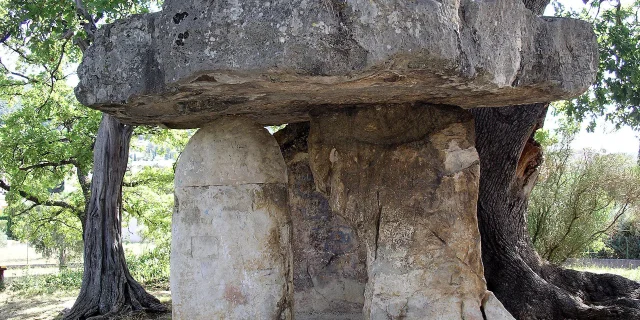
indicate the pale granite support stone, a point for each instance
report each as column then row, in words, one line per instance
column 230, row 249
column 493, row 308
column 406, row 178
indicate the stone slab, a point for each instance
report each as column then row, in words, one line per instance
column 275, row 61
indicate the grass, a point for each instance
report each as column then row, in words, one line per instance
column 44, row 296
column 65, row 281
column 37, row 297
column 633, row 274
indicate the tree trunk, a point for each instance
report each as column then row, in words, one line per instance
column 62, row 258
column 527, row 286
column 107, row 286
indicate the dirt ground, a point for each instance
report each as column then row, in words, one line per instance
column 16, row 256
column 15, row 307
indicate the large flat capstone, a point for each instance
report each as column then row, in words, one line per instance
column 275, row 61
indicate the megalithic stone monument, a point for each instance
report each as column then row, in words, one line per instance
column 384, row 85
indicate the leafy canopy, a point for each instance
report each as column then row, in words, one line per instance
column 616, row 92
column 47, row 137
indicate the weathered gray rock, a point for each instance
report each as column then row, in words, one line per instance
column 276, row 61
column 329, row 269
column 406, row 178
column 493, row 308
column 230, row 247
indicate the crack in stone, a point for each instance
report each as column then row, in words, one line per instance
column 378, row 220
column 439, row 238
column 484, row 315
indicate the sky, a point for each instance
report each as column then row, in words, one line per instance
column 605, row 137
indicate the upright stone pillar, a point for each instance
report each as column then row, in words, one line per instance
column 230, row 249
column 406, row 177
column 329, row 269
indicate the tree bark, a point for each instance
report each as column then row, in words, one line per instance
column 529, row 287
column 108, row 288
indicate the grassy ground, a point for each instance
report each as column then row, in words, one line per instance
column 43, row 293
column 14, row 306
column 633, row 274
column 42, row 299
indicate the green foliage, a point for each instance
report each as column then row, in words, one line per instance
column 148, row 197
column 46, row 156
column 46, row 137
column 60, row 242
column 274, row 129
column 154, row 144
column 43, row 29
column 151, row 267
column 624, row 243
column 579, row 199
column 616, row 92
column 65, row 281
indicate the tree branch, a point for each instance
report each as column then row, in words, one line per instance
column 35, row 200
column 5, row 37
column 25, row 210
column 133, row 184
column 48, row 164
column 17, row 74
column 90, row 27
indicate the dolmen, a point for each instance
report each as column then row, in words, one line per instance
column 371, row 214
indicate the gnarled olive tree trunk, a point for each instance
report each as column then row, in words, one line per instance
column 107, row 286
column 527, row 286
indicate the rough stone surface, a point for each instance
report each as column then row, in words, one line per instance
column 230, row 249
column 276, row 61
column 230, row 152
column 329, row 269
column 493, row 308
column 406, row 178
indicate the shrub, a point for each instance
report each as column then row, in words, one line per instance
column 624, row 243
column 579, row 199
column 151, row 268
column 64, row 281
